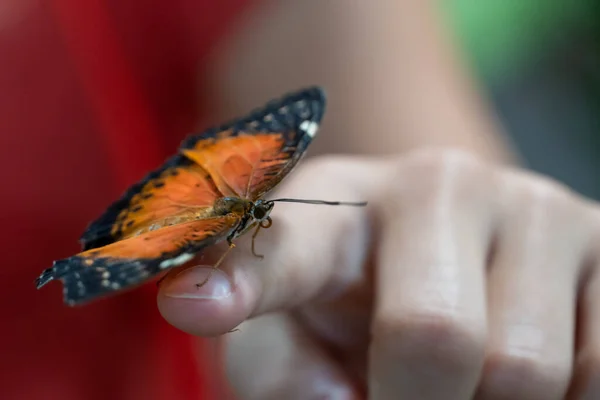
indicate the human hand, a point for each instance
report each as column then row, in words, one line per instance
column 459, row 280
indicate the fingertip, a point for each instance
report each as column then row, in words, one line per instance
column 201, row 301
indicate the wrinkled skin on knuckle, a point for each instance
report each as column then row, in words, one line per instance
column 427, row 177
column 438, row 161
column 524, row 377
column 544, row 205
column 547, row 195
column 533, row 190
column 443, row 342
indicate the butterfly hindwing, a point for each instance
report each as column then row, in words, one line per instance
column 130, row 262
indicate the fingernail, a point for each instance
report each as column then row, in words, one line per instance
column 185, row 284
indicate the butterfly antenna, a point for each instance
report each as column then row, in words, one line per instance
column 323, row 202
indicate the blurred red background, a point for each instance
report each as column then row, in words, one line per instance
column 93, row 94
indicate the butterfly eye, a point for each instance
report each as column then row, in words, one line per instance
column 262, row 210
column 258, row 213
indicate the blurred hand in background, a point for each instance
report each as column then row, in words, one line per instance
column 462, row 277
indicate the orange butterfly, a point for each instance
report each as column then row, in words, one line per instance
column 212, row 190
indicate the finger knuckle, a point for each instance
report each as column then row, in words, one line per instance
column 529, row 196
column 435, row 338
column 438, row 161
column 539, row 191
column 432, row 178
column 518, row 376
column 548, row 194
column 430, row 169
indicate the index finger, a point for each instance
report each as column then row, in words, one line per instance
column 310, row 252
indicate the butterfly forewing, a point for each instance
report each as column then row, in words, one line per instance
column 250, row 156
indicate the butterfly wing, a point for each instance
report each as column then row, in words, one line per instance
column 130, row 262
column 250, row 156
column 166, row 218
column 179, row 191
column 246, row 157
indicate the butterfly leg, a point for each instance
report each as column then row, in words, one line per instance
column 260, row 256
column 216, row 266
column 265, row 224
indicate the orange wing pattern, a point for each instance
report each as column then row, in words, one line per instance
column 180, row 191
column 239, row 164
column 178, row 194
column 129, row 262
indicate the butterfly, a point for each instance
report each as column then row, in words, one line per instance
column 212, row 190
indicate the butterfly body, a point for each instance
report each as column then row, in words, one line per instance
column 212, row 190
column 250, row 213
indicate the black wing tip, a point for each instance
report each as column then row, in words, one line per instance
column 315, row 94
column 49, row 275
column 309, row 104
column 285, row 113
column 46, row 276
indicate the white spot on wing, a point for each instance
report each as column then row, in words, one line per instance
column 179, row 260
column 310, row 127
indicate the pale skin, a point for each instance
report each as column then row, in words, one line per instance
column 463, row 278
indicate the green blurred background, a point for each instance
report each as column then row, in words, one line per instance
column 540, row 62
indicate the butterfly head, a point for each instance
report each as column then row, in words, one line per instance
column 262, row 209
